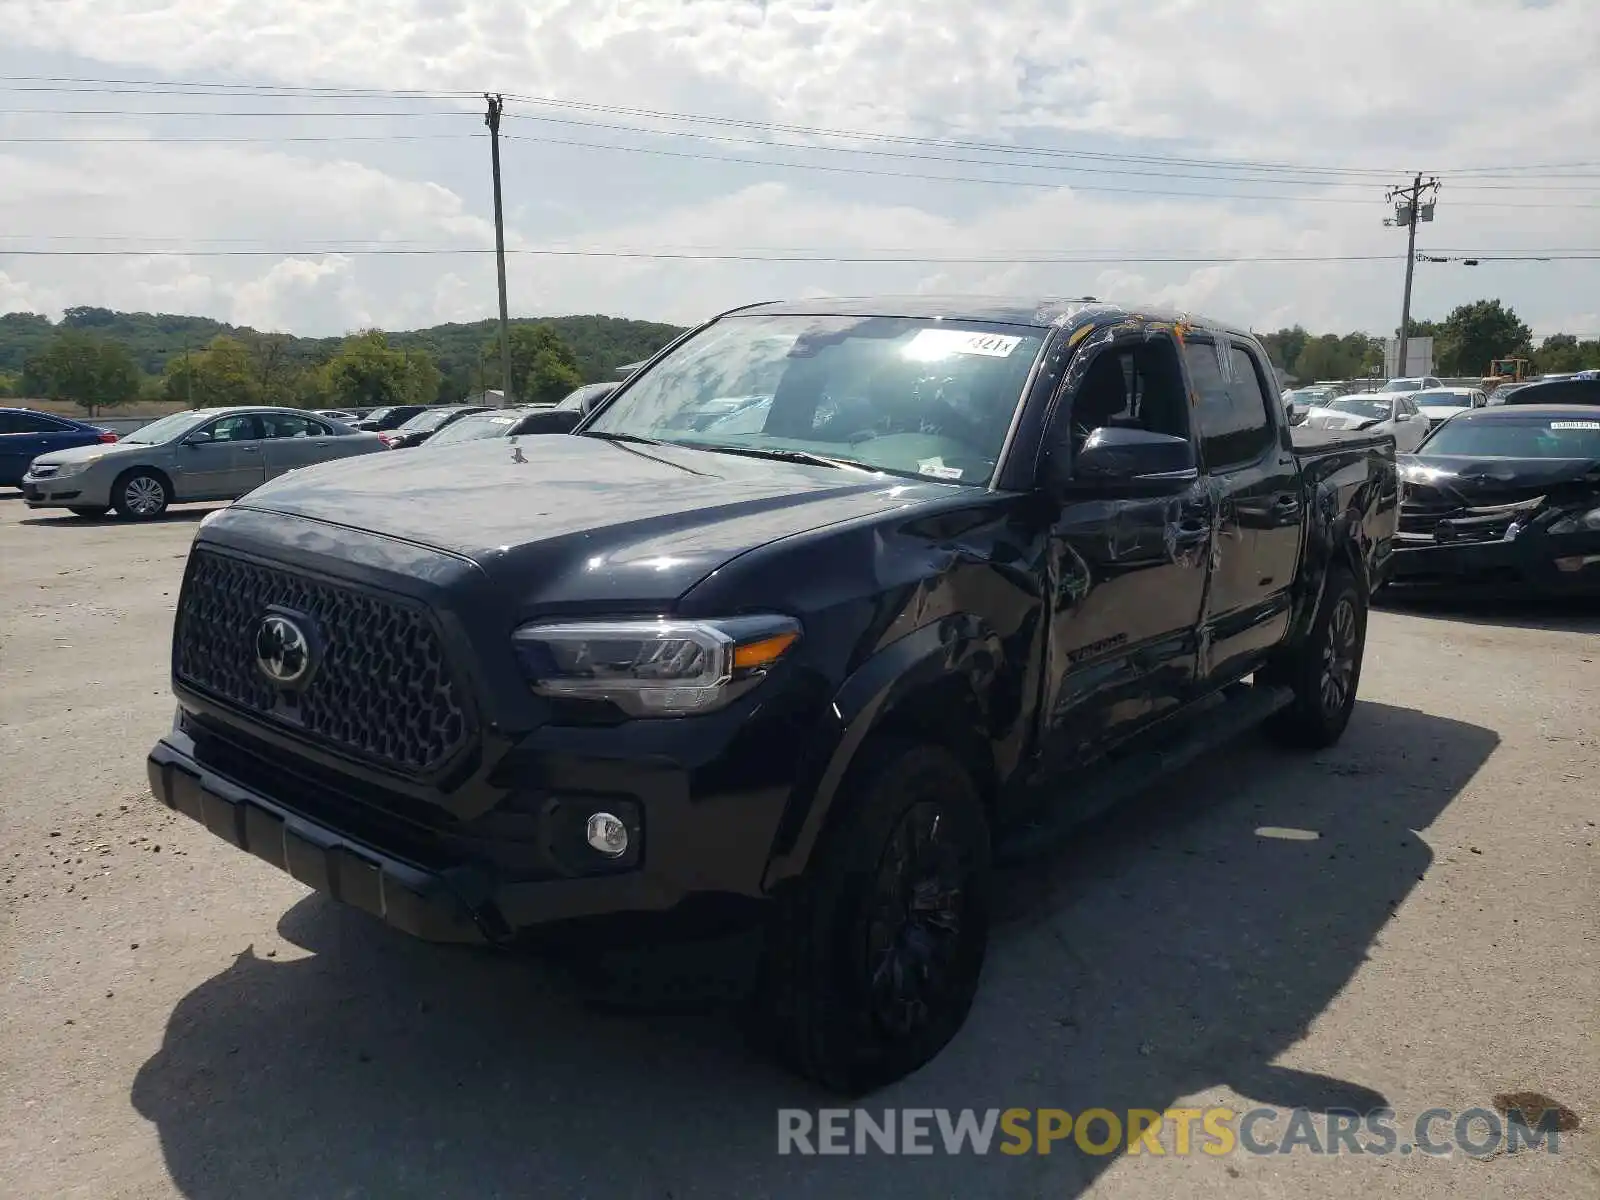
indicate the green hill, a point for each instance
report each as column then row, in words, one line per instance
column 600, row 343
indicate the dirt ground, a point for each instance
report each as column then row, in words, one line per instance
column 178, row 1019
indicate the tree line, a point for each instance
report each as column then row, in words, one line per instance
column 98, row 359
column 1465, row 343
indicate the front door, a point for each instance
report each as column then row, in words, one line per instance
column 220, row 461
column 1128, row 575
column 1256, row 483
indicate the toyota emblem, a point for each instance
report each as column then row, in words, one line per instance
column 283, row 651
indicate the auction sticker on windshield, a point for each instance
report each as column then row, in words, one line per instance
column 1575, row 424
column 937, row 343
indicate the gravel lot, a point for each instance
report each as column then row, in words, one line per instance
column 178, row 1019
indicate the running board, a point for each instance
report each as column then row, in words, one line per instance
column 1215, row 721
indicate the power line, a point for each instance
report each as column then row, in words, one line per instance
column 1012, row 183
column 169, row 87
column 819, row 257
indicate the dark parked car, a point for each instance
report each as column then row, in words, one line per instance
column 1557, row 391
column 427, row 423
column 381, row 420
column 541, row 418
column 813, row 670
column 1504, row 496
column 25, row 434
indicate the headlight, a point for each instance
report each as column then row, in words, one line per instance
column 75, row 467
column 659, row 668
column 1577, row 522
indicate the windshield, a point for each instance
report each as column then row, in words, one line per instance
column 480, row 425
column 1528, row 437
column 575, row 400
column 1371, row 409
column 895, row 394
column 430, row 419
column 1402, row 385
column 167, row 428
column 1445, row 399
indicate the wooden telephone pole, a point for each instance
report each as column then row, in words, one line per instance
column 492, row 120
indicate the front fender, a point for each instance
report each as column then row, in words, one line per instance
column 953, row 661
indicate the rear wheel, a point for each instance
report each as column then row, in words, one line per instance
column 86, row 510
column 1324, row 671
column 873, row 960
column 140, row 495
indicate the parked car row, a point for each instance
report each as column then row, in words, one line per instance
column 220, row 454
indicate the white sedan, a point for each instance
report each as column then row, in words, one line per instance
column 1438, row 405
column 1376, row 412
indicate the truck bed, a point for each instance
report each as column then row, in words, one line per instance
column 1311, row 441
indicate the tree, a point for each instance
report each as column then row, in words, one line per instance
column 543, row 367
column 1475, row 334
column 92, row 372
column 220, row 376
column 1563, row 352
column 368, row 373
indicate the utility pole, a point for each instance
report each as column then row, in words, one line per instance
column 492, row 120
column 1408, row 211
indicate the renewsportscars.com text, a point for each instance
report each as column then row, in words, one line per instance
column 1174, row 1131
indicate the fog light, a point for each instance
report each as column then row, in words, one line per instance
column 607, row 834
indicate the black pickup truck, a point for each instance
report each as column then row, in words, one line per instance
column 825, row 609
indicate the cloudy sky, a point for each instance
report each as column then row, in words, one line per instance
column 320, row 165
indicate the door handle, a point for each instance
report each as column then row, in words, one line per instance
column 1286, row 503
column 249, row 449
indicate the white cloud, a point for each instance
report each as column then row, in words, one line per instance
column 1438, row 83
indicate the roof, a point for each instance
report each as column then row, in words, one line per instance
column 1037, row 312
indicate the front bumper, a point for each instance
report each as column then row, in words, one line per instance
column 467, row 902
column 53, row 491
column 1564, row 565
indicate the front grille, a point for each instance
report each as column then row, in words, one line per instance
column 1422, row 508
column 383, row 691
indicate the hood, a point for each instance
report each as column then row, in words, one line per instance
column 1482, row 480
column 563, row 519
column 1328, row 418
column 95, row 450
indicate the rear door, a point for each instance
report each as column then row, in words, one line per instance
column 26, row 435
column 1127, row 574
column 221, row 460
column 293, row 440
column 1256, row 484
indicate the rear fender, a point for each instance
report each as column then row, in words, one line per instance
column 931, row 683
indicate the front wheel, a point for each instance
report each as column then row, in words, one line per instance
column 140, row 495
column 1324, row 671
column 873, row 959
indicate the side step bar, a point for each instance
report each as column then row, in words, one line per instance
column 1216, row 721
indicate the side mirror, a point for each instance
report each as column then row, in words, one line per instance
column 1131, row 462
column 1402, row 416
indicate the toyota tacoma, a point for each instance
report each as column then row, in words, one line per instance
column 824, row 610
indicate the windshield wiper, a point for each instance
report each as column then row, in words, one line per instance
column 631, row 438
column 794, row 456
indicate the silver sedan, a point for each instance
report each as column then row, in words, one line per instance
column 203, row 454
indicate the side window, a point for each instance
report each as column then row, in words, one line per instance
column 32, row 423
column 8, row 422
column 241, row 428
column 292, row 425
column 1232, row 406
column 1137, row 386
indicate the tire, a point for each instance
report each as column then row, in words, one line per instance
column 85, row 510
column 873, row 958
column 140, row 495
column 1324, row 671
